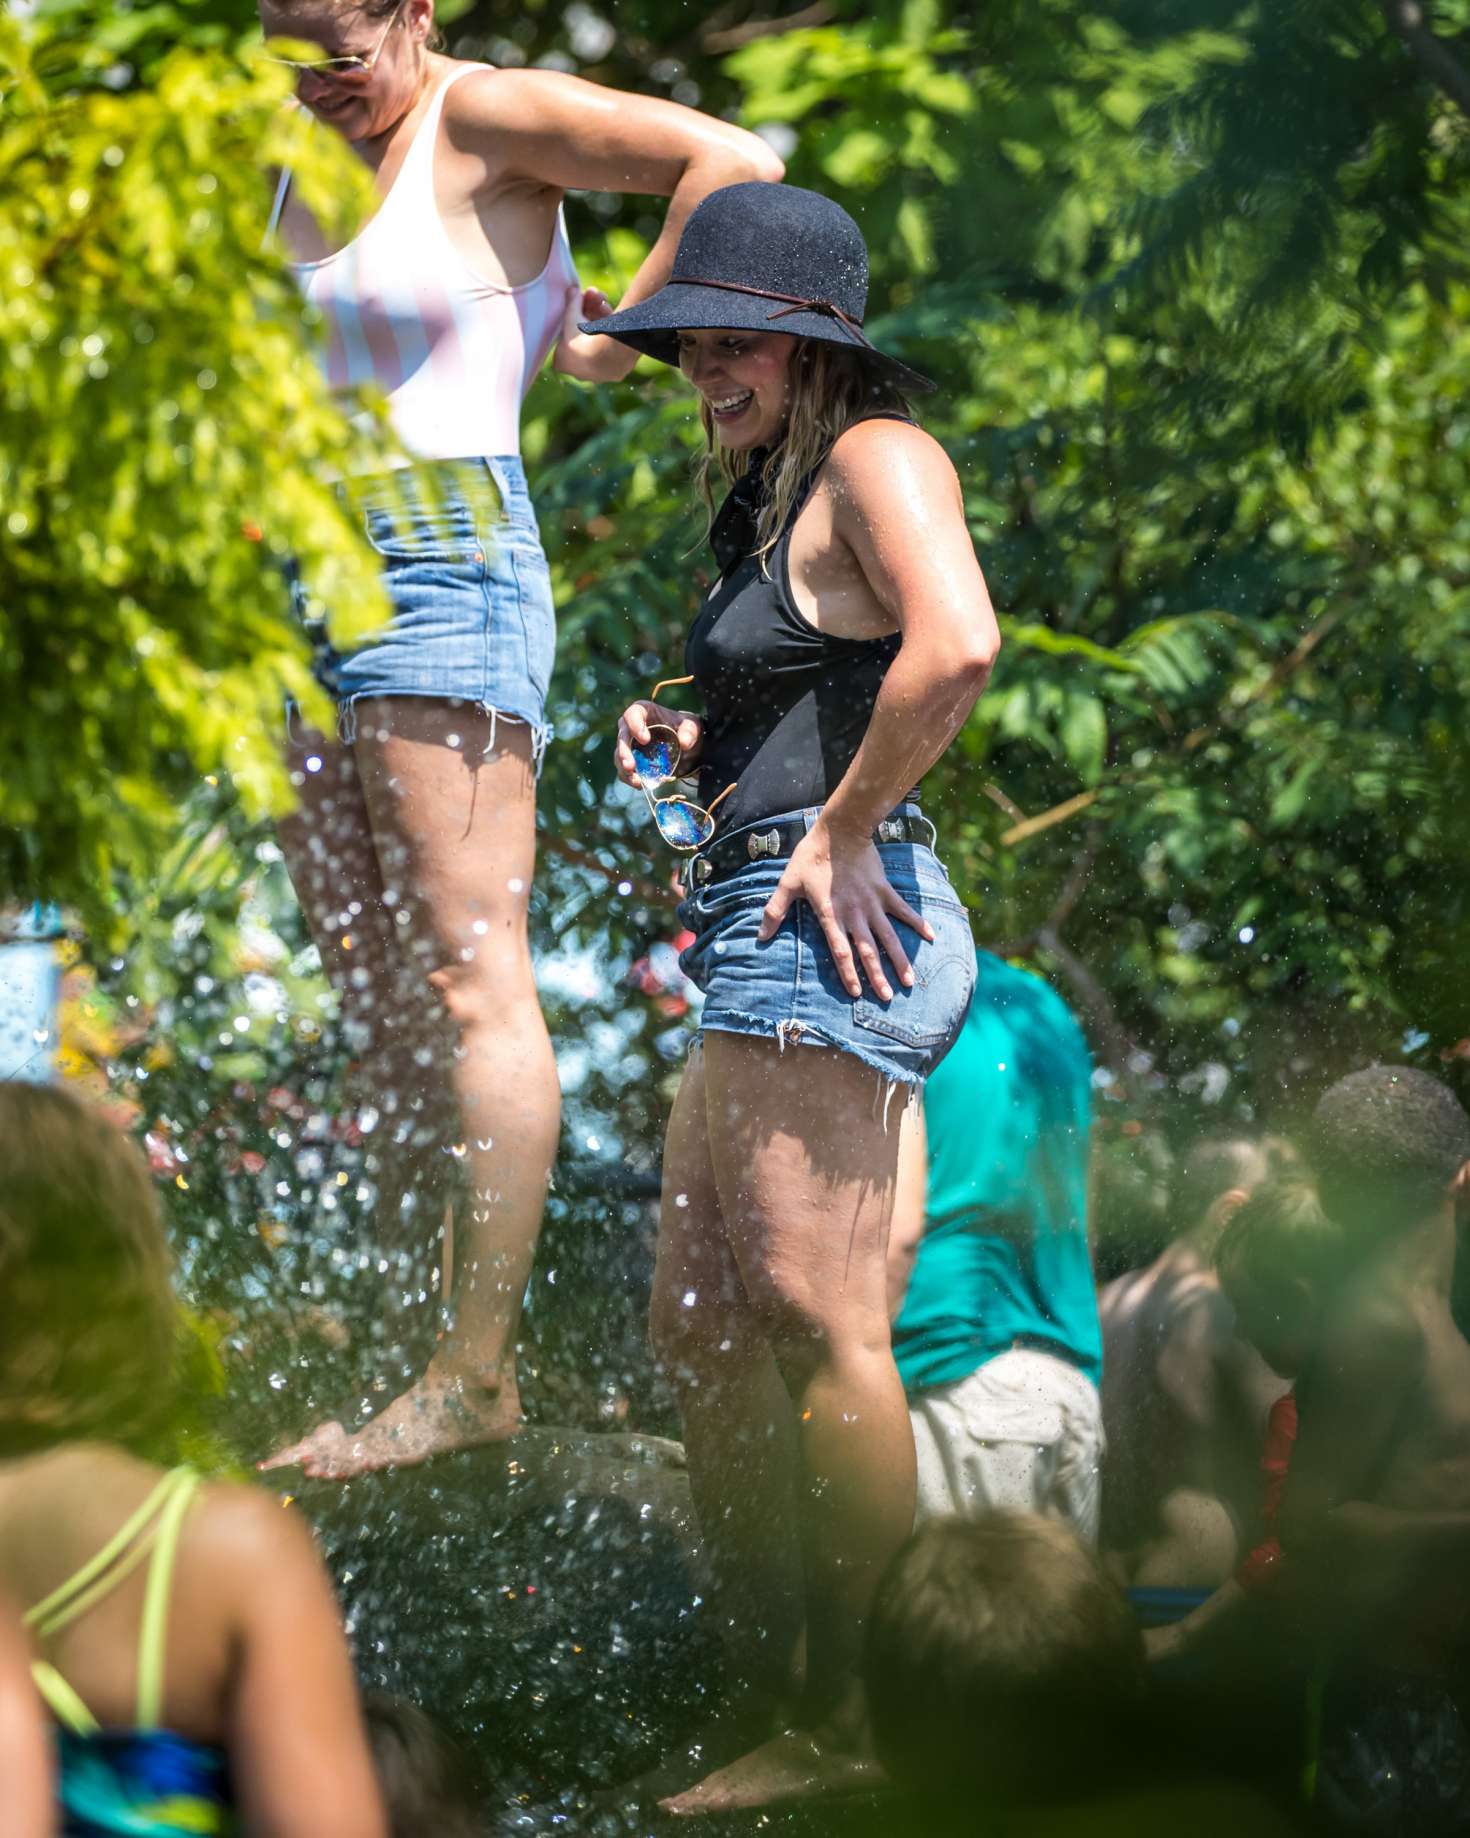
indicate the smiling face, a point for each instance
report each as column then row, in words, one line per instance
column 745, row 380
column 358, row 103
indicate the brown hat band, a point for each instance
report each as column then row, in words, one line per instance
column 794, row 302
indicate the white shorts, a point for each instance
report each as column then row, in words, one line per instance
column 1022, row 1432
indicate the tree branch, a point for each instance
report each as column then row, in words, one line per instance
column 1058, row 813
column 716, row 43
column 1405, row 19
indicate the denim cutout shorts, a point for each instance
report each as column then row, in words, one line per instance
column 788, row 989
column 473, row 619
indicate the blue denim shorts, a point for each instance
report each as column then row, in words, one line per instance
column 466, row 574
column 788, row 990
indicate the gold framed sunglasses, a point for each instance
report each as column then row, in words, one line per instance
column 351, row 64
column 683, row 824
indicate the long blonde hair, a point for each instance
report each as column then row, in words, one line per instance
column 831, row 388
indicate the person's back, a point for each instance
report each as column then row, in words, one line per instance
column 1185, row 1400
column 1384, row 1395
column 996, row 1337
column 187, row 1640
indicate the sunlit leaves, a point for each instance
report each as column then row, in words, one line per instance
column 167, row 442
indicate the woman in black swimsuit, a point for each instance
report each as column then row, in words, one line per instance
column 845, row 642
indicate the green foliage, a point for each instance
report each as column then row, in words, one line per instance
column 166, row 442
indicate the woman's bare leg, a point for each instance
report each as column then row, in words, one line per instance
column 453, row 822
column 739, row 1438
column 805, row 1159
column 396, row 1089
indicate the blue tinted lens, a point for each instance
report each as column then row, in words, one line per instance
column 683, row 824
column 656, row 763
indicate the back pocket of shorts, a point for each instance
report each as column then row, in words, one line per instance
column 932, row 1012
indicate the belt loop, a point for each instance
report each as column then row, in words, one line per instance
column 500, row 484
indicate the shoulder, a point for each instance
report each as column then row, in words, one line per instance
column 870, row 451
column 1034, row 1002
column 510, row 101
column 1193, row 1309
column 877, row 465
column 241, row 1529
column 1375, row 1333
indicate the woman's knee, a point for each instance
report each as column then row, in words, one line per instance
column 484, row 984
column 698, row 1332
column 810, row 1329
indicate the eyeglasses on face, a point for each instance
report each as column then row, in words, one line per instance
column 351, row 64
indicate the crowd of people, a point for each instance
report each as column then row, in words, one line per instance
column 1247, row 1606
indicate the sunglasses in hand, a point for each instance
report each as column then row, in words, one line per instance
column 682, row 823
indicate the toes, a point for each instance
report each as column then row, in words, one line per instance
column 306, row 1454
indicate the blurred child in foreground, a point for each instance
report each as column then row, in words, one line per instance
column 1009, row 1694
column 423, row 1777
column 189, row 1646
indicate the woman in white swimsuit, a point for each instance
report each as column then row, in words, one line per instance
column 415, row 835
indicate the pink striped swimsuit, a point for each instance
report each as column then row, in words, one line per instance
column 454, row 354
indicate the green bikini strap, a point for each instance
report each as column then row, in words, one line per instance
column 153, row 1634
column 100, row 1573
column 63, row 1703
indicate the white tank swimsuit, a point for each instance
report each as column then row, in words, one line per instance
column 454, row 354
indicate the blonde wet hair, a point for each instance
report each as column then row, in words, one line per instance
column 832, row 387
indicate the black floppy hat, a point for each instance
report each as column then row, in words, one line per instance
column 758, row 257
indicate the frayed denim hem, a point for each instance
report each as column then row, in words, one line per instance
column 806, row 1033
column 542, row 732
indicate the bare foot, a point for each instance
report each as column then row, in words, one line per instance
column 438, row 1416
column 724, row 1736
column 792, row 1766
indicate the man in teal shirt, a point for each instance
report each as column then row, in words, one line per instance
column 996, row 1331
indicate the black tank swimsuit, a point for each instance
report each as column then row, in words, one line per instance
column 786, row 706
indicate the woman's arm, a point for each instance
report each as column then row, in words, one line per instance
column 897, row 507
column 27, row 1789
column 574, row 135
column 298, row 1755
